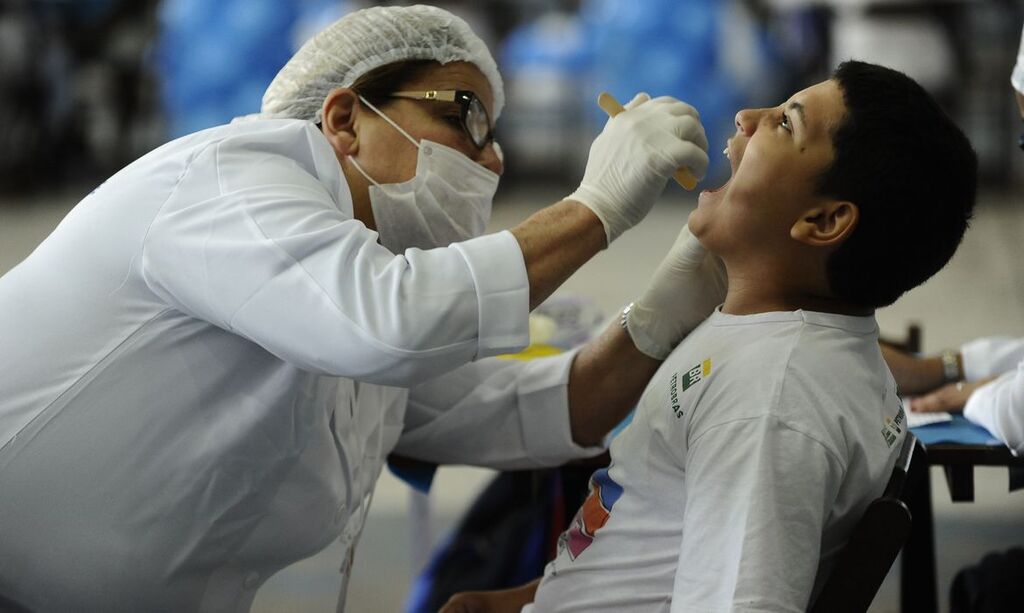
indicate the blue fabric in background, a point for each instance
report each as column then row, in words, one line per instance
column 957, row 431
column 217, row 58
column 416, row 474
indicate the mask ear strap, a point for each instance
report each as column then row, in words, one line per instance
column 356, row 165
column 390, row 121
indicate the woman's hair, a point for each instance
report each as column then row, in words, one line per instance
column 378, row 84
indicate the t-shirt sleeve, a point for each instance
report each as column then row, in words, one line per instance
column 758, row 496
column 268, row 255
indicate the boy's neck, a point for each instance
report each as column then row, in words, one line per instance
column 760, row 293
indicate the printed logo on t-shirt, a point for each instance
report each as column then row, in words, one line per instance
column 893, row 427
column 690, row 378
column 592, row 516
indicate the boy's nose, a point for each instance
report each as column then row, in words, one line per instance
column 746, row 121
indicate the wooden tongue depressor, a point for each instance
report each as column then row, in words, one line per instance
column 610, row 105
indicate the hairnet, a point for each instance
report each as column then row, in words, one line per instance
column 367, row 39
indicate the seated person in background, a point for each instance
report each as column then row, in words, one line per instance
column 985, row 379
column 767, row 432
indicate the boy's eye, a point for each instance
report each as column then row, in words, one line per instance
column 785, row 123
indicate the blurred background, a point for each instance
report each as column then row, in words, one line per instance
column 87, row 86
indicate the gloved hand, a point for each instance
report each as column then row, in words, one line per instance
column 686, row 287
column 634, row 156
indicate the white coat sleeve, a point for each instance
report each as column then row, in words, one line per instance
column 1017, row 77
column 999, row 408
column 269, row 254
column 758, row 494
column 991, row 356
column 505, row 414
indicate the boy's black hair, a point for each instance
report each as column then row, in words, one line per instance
column 912, row 174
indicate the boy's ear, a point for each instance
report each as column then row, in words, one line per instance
column 826, row 225
column 338, row 120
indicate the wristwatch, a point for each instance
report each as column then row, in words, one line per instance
column 950, row 366
column 625, row 314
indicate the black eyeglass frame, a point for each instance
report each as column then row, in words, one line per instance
column 466, row 100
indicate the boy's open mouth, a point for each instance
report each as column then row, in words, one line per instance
column 734, row 162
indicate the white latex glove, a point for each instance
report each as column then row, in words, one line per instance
column 634, row 156
column 686, row 287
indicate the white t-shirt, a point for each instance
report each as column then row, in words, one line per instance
column 754, row 450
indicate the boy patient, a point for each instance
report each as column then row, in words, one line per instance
column 767, row 432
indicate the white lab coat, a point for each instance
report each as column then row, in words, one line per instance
column 997, row 406
column 205, row 365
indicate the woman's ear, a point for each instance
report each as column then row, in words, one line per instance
column 826, row 225
column 338, row 120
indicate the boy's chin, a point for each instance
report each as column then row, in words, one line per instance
column 698, row 228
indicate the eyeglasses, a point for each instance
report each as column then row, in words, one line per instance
column 473, row 116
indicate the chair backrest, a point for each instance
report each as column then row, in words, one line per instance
column 910, row 344
column 873, row 545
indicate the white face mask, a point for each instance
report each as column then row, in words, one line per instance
column 447, row 201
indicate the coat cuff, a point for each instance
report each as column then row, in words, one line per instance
column 991, row 356
column 1017, row 78
column 991, row 406
column 977, row 403
column 544, row 398
column 496, row 264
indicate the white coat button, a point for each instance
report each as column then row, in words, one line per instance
column 427, row 149
column 252, row 580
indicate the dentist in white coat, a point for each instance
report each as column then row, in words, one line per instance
column 204, row 367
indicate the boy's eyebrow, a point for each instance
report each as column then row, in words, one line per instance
column 799, row 108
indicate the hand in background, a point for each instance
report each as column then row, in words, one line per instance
column 913, row 375
column 948, row 398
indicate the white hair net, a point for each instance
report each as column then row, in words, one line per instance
column 367, row 39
